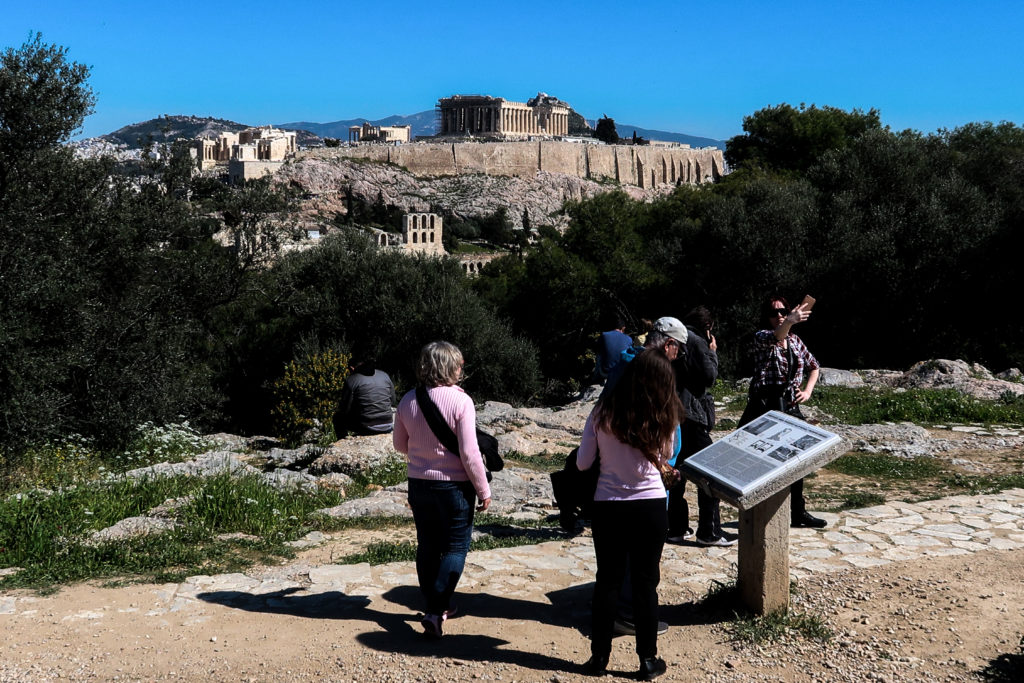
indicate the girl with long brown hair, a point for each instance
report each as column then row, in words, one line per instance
column 633, row 427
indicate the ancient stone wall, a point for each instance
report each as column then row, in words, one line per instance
column 641, row 166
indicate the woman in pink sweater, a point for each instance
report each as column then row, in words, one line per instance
column 633, row 428
column 443, row 486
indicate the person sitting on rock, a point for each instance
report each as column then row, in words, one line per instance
column 366, row 402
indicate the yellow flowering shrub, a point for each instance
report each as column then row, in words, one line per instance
column 307, row 395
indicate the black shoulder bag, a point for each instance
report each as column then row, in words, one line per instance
column 488, row 444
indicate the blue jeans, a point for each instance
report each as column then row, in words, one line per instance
column 443, row 511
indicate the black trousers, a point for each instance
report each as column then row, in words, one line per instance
column 627, row 533
column 695, row 437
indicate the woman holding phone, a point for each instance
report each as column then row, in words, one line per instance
column 782, row 362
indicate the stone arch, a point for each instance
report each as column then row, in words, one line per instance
column 699, row 177
column 640, row 173
column 415, row 235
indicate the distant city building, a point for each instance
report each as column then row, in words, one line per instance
column 249, row 153
column 368, row 132
column 496, row 117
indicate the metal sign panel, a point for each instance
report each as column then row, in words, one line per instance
column 768, row 448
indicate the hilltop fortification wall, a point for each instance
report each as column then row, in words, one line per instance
column 641, row 166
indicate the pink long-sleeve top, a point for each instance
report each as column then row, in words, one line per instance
column 427, row 458
column 625, row 474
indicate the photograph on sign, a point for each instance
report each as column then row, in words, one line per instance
column 759, row 452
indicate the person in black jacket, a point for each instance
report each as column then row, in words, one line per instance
column 696, row 371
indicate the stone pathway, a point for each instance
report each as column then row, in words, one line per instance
column 868, row 537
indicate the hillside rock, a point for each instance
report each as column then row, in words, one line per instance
column 831, row 377
column 517, row 492
column 325, row 182
column 532, row 431
column 356, row 455
column 971, row 379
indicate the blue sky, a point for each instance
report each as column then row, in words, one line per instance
column 681, row 66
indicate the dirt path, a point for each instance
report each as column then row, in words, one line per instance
column 525, row 614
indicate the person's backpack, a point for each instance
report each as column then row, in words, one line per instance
column 574, row 491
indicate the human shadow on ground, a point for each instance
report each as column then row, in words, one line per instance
column 399, row 632
column 1005, row 668
column 329, row 605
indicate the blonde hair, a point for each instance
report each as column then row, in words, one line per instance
column 440, row 364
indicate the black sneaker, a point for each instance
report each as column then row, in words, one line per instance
column 723, row 541
column 651, row 668
column 806, row 520
column 677, row 538
column 596, row 666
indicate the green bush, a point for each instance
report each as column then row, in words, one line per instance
column 379, row 304
column 308, row 394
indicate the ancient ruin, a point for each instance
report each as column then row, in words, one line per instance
column 642, row 166
column 371, row 133
column 472, row 264
column 496, row 117
column 250, row 153
column 421, row 234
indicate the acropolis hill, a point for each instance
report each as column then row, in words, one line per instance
column 642, row 166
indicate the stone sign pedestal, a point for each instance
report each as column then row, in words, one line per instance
column 763, row 574
column 763, row 579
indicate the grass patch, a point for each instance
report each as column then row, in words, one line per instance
column 884, row 466
column 388, row 473
column 859, row 499
column 926, row 406
column 74, row 460
column 752, row 629
column 498, row 532
column 983, row 483
column 470, row 248
column 383, row 553
column 48, row 534
column 779, row 625
column 543, row 462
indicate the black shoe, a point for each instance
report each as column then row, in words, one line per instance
column 808, row 521
column 596, row 666
column 651, row 668
column 567, row 520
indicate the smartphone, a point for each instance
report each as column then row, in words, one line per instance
column 808, row 302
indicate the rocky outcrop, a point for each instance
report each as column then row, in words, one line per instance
column 541, row 196
column 967, row 378
column 525, row 494
column 356, row 455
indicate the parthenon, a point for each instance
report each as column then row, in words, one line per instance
column 496, row 117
